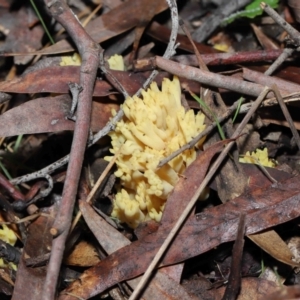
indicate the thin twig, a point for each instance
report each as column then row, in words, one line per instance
column 261, row 167
column 95, row 187
column 21, row 205
column 295, row 34
column 12, row 190
column 287, row 52
column 271, row 102
column 170, row 51
column 287, row 115
column 41, row 173
column 215, row 59
column 234, row 280
column 194, row 199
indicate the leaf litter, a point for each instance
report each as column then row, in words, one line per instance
column 109, row 252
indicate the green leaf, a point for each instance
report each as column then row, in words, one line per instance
column 251, row 11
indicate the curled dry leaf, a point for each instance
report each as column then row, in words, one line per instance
column 267, row 240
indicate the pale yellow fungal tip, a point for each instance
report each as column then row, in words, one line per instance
column 71, row 60
column 7, row 235
column 258, row 157
column 116, row 62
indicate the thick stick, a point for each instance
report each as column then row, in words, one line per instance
column 89, row 51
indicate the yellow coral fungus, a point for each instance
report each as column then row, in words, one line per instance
column 8, row 236
column 116, row 62
column 71, row 60
column 258, row 157
column 151, row 130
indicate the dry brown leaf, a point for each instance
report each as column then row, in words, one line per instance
column 49, row 115
column 253, row 288
column 264, row 208
column 273, row 244
column 29, row 282
column 109, row 25
column 84, row 254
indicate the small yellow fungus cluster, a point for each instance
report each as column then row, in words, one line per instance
column 116, row 62
column 151, row 130
column 71, row 60
column 258, row 157
column 7, row 235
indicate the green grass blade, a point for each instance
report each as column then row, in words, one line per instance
column 18, row 142
column 203, row 104
column 241, row 100
column 42, row 21
column 4, row 170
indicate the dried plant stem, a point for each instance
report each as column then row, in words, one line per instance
column 228, row 58
column 170, row 51
column 234, row 280
column 295, row 34
column 287, row 52
column 194, row 199
column 287, row 115
column 209, row 78
column 215, row 59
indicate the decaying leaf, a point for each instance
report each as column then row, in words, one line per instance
column 264, row 208
column 29, row 281
column 111, row 240
column 84, row 254
column 44, row 80
column 109, row 25
column 253, row 288
column 49, row 115
column 272, row 243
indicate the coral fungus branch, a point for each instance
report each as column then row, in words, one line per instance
column 152, row 129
